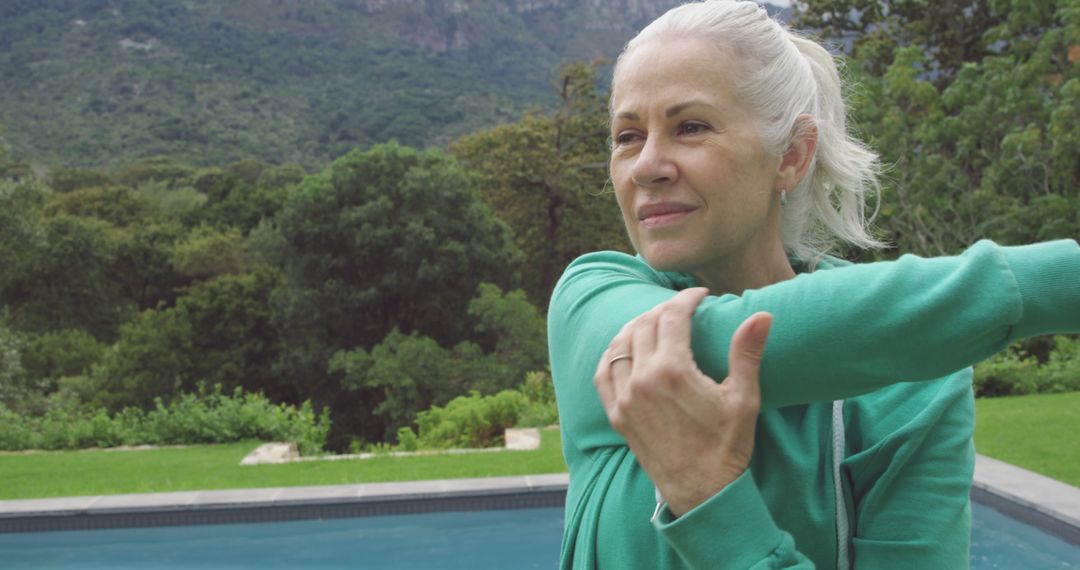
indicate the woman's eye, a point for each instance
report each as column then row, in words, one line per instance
column 692, row 128
column 626, row 137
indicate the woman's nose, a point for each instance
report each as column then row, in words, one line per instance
column 654, row 167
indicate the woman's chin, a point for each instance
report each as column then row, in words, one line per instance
column 666, row 259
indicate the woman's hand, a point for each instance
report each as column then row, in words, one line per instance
column 691, row 435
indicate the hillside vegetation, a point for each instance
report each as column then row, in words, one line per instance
column 399, row 276
column 105, row 82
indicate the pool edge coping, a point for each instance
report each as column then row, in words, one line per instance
column 1033, row 498
column 268, row 497
column 1036, row 499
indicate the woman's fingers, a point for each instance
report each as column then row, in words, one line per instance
column 603, row 381
column 643, row 342
column 677, row 319
column 745, row 354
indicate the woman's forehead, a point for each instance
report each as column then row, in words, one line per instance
column 668, row 73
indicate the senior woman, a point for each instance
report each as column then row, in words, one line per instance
column 734, row 171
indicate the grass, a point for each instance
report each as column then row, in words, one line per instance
column 74, row 473
column 1036, row 432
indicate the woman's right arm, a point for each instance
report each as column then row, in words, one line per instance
column 837, row 333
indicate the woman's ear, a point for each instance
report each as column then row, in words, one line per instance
column 798, row 157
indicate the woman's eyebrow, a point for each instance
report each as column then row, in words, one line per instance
column 670, row 112
column 676, row 109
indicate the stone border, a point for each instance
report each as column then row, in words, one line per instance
column 1038, row 500
column 281, row 503
column 1032, row 498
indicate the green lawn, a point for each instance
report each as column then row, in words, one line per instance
column 73, row 473
column 1037, row 432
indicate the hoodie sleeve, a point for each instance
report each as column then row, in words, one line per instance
column 836, row 333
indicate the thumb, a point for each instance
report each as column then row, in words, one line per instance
column 747, row 349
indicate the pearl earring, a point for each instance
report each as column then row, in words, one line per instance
column 783, row 196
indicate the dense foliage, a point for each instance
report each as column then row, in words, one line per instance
column 397, row 280
column 341, row 287
column 546, row 175
column 107, row 82
column 1016, row 372
column 975, row 108
column 477, row 421
column 204, row 417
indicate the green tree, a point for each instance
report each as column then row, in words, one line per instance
column 70, row 179
column 391, row 237
column 219, row 332
column 516, row 333
column 67, row 281
column 118, row 205
column 54, row 355
column 22, row 231
column 89, row 258
column 546, row 176
column 386, row 238
column 950, row 33
column 152, row 359
column 245, row 193
column 207, row 252
column 408, row 373
column 143, row 267
column 401, row 376
column 156, row 169
column 234, row 342
column 976, row 107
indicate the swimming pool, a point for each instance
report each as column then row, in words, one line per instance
column 510, row 539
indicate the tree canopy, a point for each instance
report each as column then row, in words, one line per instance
column 975, row 109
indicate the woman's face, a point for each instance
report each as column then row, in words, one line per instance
column 695, row 185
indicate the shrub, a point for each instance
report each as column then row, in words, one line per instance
column 479, row 421
column 1007, row 373
column 206, row 417
column 470, row 421
column 12, row 374
column 541, row 409
column 1061, row 373
column 407, row 440
column 1015, row 372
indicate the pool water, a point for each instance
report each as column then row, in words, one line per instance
column 999, row 541
column 524, row 538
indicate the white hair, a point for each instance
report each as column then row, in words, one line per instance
column 782, row 76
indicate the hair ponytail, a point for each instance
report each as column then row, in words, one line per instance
column 845, row 171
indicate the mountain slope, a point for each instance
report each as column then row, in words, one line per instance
column 103, row 82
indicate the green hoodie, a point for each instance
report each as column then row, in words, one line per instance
column 863, row 333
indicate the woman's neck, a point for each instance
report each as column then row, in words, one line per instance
column 750, row 270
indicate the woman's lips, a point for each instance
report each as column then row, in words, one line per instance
column 661, row 215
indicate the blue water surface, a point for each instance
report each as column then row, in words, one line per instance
column 999, row 541
column 520, row 538
column 515, row 539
